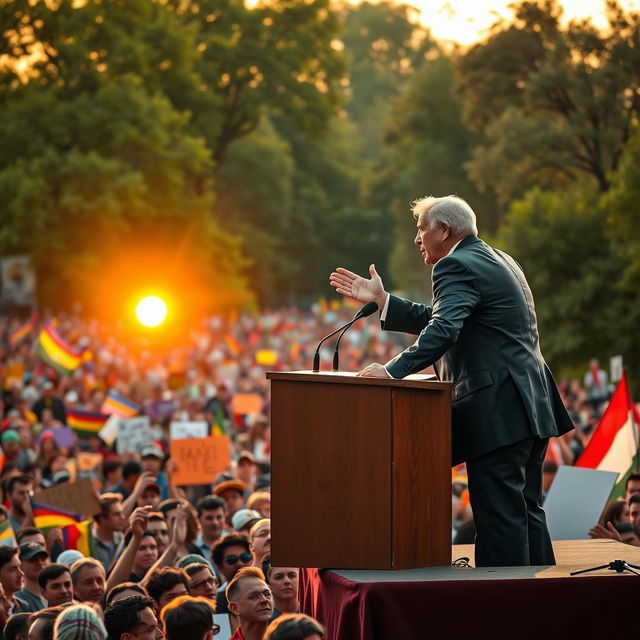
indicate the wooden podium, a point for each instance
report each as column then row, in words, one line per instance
column 361, row 471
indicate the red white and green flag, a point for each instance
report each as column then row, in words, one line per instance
column 614, row 444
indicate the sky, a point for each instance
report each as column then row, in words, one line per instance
column 464, row 21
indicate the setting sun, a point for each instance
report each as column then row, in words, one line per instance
column 151, row 311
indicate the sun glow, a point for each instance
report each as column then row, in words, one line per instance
column 151, row 311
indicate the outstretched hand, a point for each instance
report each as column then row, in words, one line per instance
column 351, row 285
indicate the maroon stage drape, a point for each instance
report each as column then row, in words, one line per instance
column 573, row 607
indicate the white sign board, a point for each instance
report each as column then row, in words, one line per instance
column 133, row 434
column 181, row 430
column 576, row 500
column 109, row 431
column 222, row 620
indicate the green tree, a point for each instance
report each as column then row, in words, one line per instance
column 553, row 103
column 560, row 238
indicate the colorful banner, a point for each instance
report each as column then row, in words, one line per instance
column 86, row 423
column 118, row 404
column 56, row 352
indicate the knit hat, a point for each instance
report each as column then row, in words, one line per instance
column 69, row 556
column 10, row 436
column 79, row 622
column 191, row 558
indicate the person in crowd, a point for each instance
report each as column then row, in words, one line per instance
column 33, row 559
column 88, row 580
column 251, row 601
column 123, row 591
column 158, row 525
column 596, row 383
column 79, row 622
column 12, row 578
column 211, row 516
column 230, row 555
column 634, row 512
column 247, row 470
column 10, row 441
column 164, row 585
column 49, row 400
column 113, row 475
column 108, row 527
column 55, row 584
column 132, row 617
column 295, row 626
column 17, row 627
column 232, row 492
column 146, row 556
column 19, row 491
column 260, row 501
column 150, row 496
column 189, row 617
column 244, row 519
column 260, row 540
column 69, row 556
column 284, row 583
column 152, row 461
column 31, row 534
column 202, row 582
column 41, row 623
column 631, row 485
column 131, row 472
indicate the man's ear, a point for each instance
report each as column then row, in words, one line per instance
column 446, row 230
column 233, row 608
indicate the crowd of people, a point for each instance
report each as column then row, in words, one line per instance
column 173, row 561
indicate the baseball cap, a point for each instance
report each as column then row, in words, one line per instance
column 152, row 451
column 69, row 556
column 10, row 436
column 235, row 485
column 243, row 517
column 30, row 550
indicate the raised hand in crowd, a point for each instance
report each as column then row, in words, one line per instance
column 605, row 532
column 146, row 478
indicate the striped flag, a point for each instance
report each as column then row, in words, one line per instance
column 21, row 332
column 117, row 404
column 56, row 352
column 7, row 537
column 79, row 536
column 86, row 423
column 614, row 445
column 77, row 532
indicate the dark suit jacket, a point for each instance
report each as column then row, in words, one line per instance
column 481, row 334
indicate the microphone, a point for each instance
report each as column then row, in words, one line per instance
column 367, row 310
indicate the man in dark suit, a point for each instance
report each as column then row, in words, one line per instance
column 481, row 335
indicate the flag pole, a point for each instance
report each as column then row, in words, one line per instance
column 634, row 426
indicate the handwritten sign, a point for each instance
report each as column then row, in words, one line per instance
column 109, row 431
column 244, row 403
column 77, row 497
column 198, row 460
column 134, row 434
column 182, row 430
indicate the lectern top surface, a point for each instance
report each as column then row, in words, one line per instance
column 418, row 381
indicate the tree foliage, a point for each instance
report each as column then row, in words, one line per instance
column 554, row 103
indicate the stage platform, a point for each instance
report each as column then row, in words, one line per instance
column 477, row 603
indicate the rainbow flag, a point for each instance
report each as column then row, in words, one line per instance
column 118, row 404
column 79, row 536
column 21, row 332
column 56, row 352
column 77, row 532
column 86, row 423
column 7, row 539
column 46, row 517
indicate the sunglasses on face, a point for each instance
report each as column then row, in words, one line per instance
column 215, row 628
column 233, row 558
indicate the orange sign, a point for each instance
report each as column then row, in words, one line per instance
column 198, row 460
column 244, row 403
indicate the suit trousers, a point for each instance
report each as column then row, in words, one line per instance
column 505, row 488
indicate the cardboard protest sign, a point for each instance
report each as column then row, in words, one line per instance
column 63, row 436
column 109, row 431
column 182, row 430
column 77, row 497
column 198, row 460
column 244, row 403
column 133, row 434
